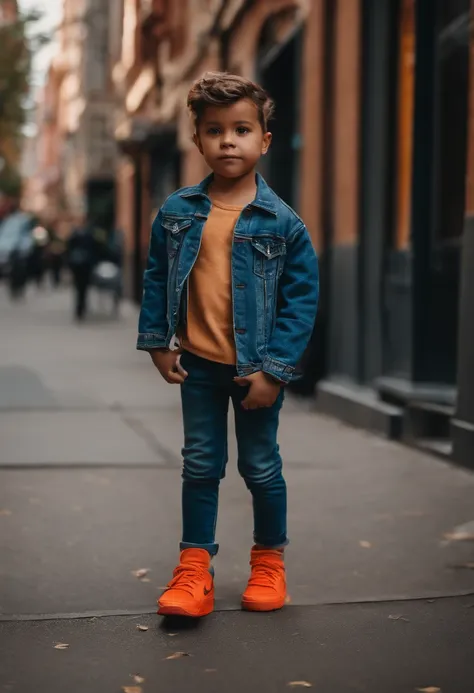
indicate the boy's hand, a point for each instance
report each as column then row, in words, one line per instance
column 168, row 363
column 263, row 391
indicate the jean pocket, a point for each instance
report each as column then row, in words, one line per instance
column 269, row 256
column 175, row 227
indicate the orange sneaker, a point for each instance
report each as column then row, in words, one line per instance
column 191, row 591
column 266, row 589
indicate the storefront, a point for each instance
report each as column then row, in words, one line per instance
column 400, row 76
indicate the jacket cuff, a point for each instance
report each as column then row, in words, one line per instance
column 277, row 369
column 150, row 340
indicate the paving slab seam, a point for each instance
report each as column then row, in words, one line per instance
column 56, row 409
column 96, row 464
column 396, row 599
column 148, row 437
column 29, row 466
column 59, row 408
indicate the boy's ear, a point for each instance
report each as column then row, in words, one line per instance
column 197, row 142
column 267, row 140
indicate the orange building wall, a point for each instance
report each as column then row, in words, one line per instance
column 312, row 95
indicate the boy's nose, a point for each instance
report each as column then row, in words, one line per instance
column 227, row 141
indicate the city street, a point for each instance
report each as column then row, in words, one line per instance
column 382, row 598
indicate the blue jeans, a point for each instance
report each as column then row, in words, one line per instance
column 205, row 400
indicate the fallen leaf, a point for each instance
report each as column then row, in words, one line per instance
column 461, row 533
column 398, row 617
column 365, row 544
column 145, row 579
column 461, row 566
column 141, row 573
column 178, row 655
column 287, row 599
column 4, row 512
column 132, row 689
column 172, row 635
column 210, row 671
column 430, row 601
column 430, row 689
column 300, row 684
column 138, row 679
column 61, row 646
column 142, row 628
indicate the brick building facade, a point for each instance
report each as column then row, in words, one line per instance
column 9, row 146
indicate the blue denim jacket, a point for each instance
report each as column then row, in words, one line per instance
column 275, row 283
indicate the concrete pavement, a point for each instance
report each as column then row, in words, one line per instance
column 89, row 492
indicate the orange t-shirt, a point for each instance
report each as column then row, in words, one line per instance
column 210, row 329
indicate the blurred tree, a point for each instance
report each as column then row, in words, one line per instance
column 17, row 46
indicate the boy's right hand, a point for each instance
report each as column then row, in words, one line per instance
column 168, row 363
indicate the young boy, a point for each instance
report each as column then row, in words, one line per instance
column 232, row 273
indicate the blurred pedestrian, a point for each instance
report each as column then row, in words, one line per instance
column 231, row 271
column 57, row 250
column 85, row 249
column 39, row 253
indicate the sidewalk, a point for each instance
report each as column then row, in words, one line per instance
column 90, row 444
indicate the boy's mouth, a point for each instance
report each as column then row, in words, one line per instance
column 230, row 157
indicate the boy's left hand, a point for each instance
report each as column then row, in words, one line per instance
column 263, row 391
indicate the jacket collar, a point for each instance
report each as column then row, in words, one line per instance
column 265, row 198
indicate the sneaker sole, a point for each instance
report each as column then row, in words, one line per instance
column 259, row 606
column 179, row 610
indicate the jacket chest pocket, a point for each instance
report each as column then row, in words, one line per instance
column 175, row 230
column 268, row 256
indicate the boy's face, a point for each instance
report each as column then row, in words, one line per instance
column 231, row 138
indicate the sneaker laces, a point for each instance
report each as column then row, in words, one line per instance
column 187, row 576
column 264, row 573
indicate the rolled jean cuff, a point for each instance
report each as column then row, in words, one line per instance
column 212, row 549
column 272, row 544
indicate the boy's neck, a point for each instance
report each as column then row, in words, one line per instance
column 234, row 191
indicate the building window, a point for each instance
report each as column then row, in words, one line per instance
column 99, row 129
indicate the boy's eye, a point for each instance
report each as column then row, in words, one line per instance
column 213, row 131
column 242, row 130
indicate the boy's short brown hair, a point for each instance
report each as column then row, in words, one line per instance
column 224, row 89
